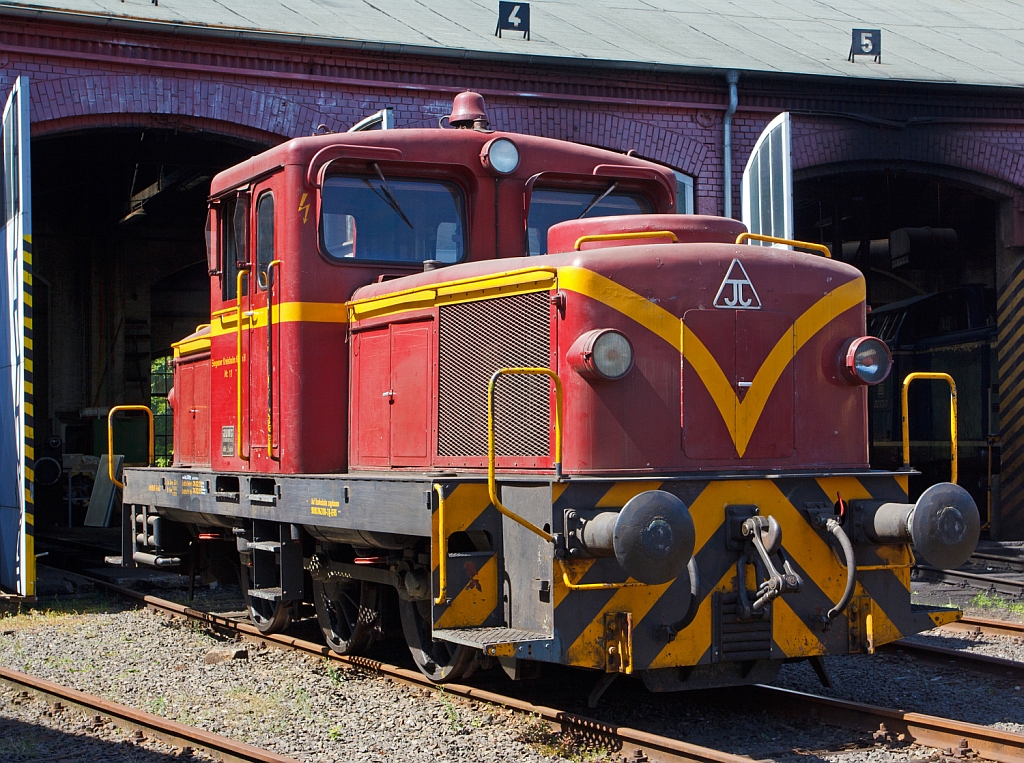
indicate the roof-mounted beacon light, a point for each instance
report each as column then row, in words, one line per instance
column 865, row 360
column 468, row 112
column 500, row 155
column 601, row 354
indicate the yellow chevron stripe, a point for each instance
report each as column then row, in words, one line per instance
column 691, row 644
column 791, row 633
column 621, row 492
column 473, row 604
column 588, row 650
column 461, row 509
column 670, row 328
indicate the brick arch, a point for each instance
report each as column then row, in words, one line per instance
column 130, row 99
column 850, row 146
column 607, row 131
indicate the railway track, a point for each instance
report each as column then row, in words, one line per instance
column 142, row 723
column 886, row 725
column 968, row 579
column 984, row 663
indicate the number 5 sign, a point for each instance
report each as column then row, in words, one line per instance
column 866, row 42
column 514, row 17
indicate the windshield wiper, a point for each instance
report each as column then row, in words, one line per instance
column 389, row 197
column 597, row 199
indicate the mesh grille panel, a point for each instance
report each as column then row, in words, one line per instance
column 475, row 340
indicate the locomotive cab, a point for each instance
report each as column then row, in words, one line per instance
column 495, row 374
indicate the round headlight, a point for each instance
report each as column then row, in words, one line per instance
column 602, row 354
column 866, row 360
column 501, row 155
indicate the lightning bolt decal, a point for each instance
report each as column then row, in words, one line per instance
column 304, row 208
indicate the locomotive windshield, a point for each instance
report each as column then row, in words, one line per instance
column 549, row 207
column 392, row 219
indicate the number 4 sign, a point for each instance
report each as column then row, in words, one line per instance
column 866, row 42
column 514, row 17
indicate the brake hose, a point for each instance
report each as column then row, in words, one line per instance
column 691, row 612
column 851, row 571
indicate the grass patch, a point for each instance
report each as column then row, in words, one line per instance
column 570, row 744
column 995, row 601
column 56, row 613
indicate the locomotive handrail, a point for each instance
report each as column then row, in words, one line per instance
column 788, row 242
column 591, row 586
column 952, row 417
column 242, row 272
column 442, row 568
column 492, row 486
column 619, row 236
column 270, row 356
column 110, row 438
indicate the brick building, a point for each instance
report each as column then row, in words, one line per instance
column 135, row 105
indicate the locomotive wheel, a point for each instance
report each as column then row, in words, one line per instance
column 347, row 611
column 268, row 616
column 437, row 660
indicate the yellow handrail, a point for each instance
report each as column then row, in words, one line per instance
column 442, row 570
column 591, row 586
column 242, row 272
column 492, row 485
column 618, row 236
column 110, row 438
column 952, row 417
column 788, row 242
column 270, row 358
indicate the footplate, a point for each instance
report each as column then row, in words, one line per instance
column 504, row 642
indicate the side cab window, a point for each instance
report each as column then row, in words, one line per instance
column 234, row 235
column 264, row 237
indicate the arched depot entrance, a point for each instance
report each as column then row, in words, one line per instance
column 928, row 245
column 119, row 219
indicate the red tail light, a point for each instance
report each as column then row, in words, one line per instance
column 865, row 360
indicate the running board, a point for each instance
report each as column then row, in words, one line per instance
column 504, row 642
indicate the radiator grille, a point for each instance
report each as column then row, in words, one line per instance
column 475, row 340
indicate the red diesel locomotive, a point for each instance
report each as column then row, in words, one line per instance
column 493, row 382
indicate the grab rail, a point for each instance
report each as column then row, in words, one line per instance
column 270, row 356
column 788, row 242
column 442, row 542
column 952, row 417
column 492, row 486
column 242, row 272
column 110, row 438
column 618, row 236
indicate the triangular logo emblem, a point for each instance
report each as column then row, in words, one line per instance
column 736, row 291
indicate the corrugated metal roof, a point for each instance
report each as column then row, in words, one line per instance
column 973, row 42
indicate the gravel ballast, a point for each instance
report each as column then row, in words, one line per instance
column 319, row 711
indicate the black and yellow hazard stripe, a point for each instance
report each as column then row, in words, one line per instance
column 29, row 445
column 1010, row 353
column 881, row 611
column 471, row 596
column 882, row 594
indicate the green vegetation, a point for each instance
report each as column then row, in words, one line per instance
column 570, row 744
column 995, row 601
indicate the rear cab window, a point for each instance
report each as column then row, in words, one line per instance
column 549, row 206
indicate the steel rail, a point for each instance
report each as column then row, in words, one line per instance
column 1015, row 561
column 929, row 731
column 926, row 730
column 997, row 666
column 987, row 626
column 972, row 580
column 164, row 729
column 655, row 747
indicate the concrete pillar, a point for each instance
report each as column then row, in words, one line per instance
column 1008, row 500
